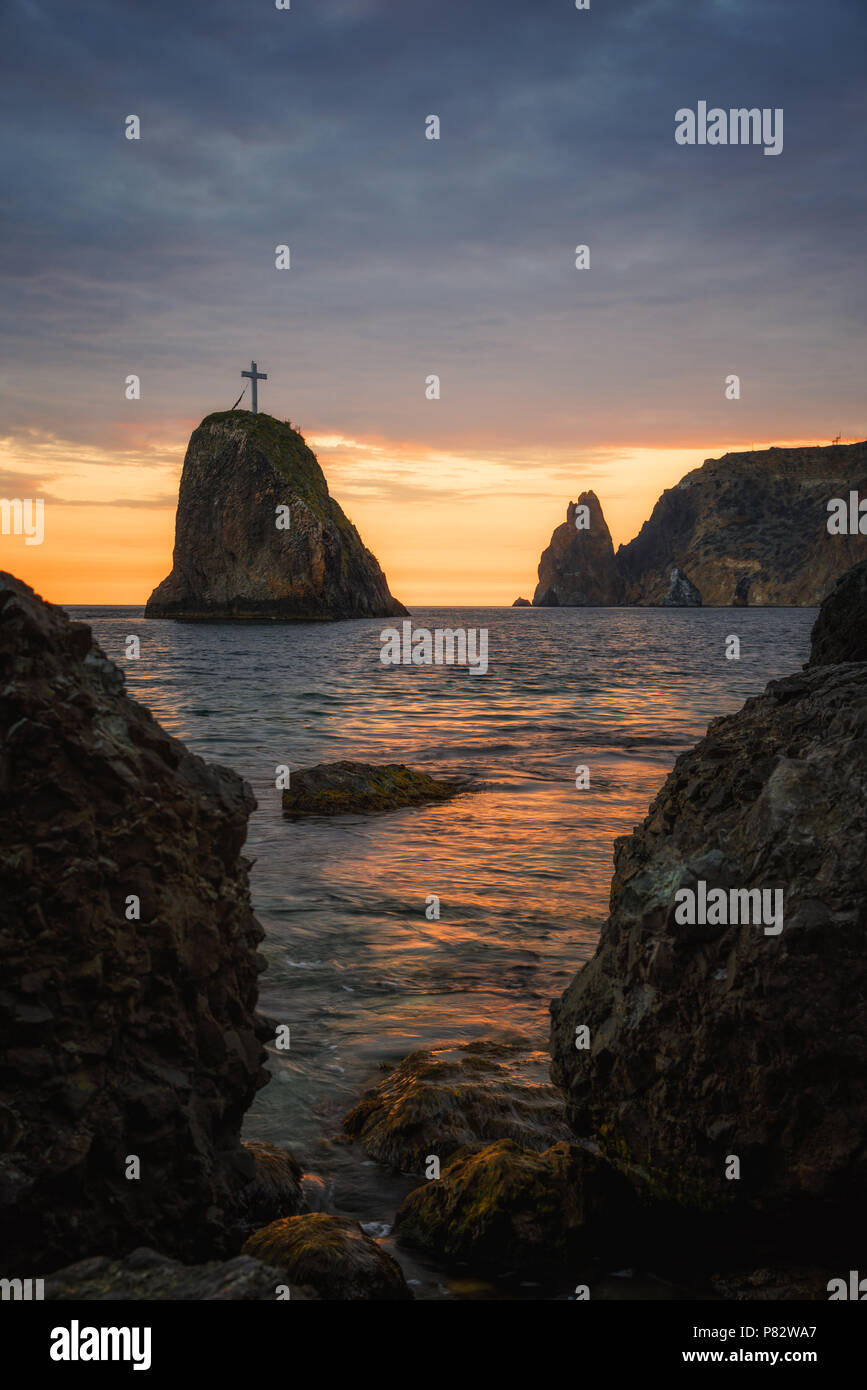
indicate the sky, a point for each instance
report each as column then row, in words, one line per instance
column 411, row 257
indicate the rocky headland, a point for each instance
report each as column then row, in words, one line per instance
column 258, row 536
column 749, row 529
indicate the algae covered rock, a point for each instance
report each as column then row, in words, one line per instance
column 840, row 630
column 332, row 1255
column 436, row 1101
column 511, row 1208
column 145, row 1274
column 257, row 535
column 350, row 788
column 276, row 1188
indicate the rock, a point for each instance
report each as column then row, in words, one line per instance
column 522, row 603
column 515, row 1209
column 682, row 593
column 275, row 1191
column 120, row 1036
column 840, row 630
column 332, row 1254
column 578, row 567
column 722, row 1040
column 230, row 558
column 437, row 1101
column 775, row 1285
column 146, row 1275
column 753, row 522
column 349, row 788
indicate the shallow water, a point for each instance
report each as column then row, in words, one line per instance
column 522, row 867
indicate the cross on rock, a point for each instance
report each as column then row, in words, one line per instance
column 255, row 376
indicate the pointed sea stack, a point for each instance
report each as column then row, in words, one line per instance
column 578, row 568
column 244, row 474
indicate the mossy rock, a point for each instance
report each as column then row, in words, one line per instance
column 332, row 1255
column 508, row 1208
column 350, row 788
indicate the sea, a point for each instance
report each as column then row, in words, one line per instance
column 522, row 868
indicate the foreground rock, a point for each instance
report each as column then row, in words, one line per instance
column 682, row 593
column 578, row 567
column 331, row 1254
column 130, row 964
column 243, row 473
column 514, row 1209
column 340, row 789
column 714, row 1041
column 146, row 1275
column 840, row 630
column 276, row 1190
column 437, row 1101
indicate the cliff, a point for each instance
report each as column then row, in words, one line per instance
column 233, row 560
column 713, row 1041
column 129, row 949
column 748, row 529
column 578, row 567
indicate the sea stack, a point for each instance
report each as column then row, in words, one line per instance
column 578, row 567
column 257, row 535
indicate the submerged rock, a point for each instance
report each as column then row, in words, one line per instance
column 682, row 593
column 578, row 567
column 742, row 1040
column 840, row 630
column 331, row 1254
column 147, row 1275
column 514, row 1208
column 437, row 1101
column 349, row 788
column 276, row 1189
column 258, row 536
column 130, row 966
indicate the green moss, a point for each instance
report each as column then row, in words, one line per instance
column 662, row 1185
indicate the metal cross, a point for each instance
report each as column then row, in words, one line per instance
column 255, row 376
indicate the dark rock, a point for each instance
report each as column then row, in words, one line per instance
column 777, row 1285
column 276, row 1189
column 331, row 1254
column 682, row 593
column 522, row 603
column 437, row 1101
column 723, row 1040
column 511, row 1208
column 741, row 597
column 339, row 789
column 119, row 1037
column 840, row 630
column 146, row 1275
column 231, row 560
column 762, row 515
column 578, row 567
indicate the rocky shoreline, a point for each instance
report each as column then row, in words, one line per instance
column 130, row 1029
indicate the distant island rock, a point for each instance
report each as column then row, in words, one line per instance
column 682, row 593
column 578, row 568
column 347, row 788
column 257, row 535
column 748, row 529
column 522, row 603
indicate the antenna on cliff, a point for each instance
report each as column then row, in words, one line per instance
column 836, row 439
